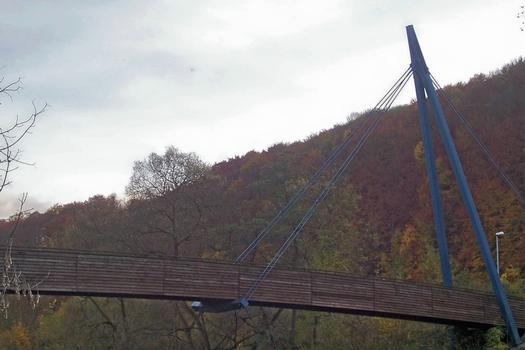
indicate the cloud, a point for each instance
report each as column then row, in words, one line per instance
column 10, row 204
column 128, row 77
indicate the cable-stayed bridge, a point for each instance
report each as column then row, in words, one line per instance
column 220, row 287
column 82, row 273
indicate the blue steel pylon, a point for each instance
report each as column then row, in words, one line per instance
column 423, row 84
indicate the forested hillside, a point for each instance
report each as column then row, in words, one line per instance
column 377, row 221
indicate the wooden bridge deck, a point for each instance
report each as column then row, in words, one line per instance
column 94, row 274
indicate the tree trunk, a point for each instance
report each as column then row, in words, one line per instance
column 293, row 321
column 125, row 342
column 314, row 333
column 200, row 325
column 187, row 327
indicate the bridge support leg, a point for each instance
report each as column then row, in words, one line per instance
column 433, row 183
column 420, row 69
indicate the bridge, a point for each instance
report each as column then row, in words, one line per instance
column 82, row 273
column 223, row 286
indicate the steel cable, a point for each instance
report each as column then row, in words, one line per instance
column 298, row 228
column 484, row 149
column 314, row 178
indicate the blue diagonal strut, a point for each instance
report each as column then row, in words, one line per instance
column 437, row 211
column 421, row 71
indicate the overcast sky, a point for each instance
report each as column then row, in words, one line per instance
column 219, row 78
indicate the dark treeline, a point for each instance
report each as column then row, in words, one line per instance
column 378, row 221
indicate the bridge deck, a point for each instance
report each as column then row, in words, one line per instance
column 83, row 273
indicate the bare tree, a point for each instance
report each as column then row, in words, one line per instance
column 10, row 159
column 12, row 134
column 164, row 195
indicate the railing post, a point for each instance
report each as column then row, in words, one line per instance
column 311, row 288
column 238, row 280
column 374, row 279
column 76, row 272
column 163, row 276
column 432, row 300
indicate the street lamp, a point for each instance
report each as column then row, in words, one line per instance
column 500, row 233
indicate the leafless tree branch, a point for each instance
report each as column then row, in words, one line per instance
column 12, row 134
column 14, row 280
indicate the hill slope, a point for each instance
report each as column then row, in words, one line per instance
column 377, row 220
column 388, row 182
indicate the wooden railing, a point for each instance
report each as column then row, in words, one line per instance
column 85, row 273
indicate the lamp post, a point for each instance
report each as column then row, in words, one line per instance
column 500, row 233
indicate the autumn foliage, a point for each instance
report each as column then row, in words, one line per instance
column 378, row 221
